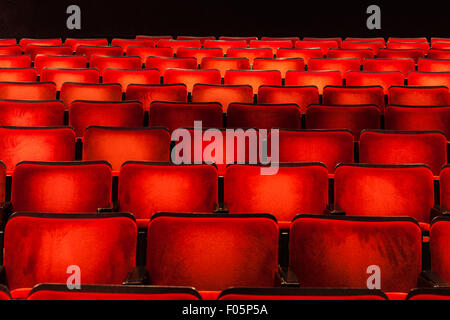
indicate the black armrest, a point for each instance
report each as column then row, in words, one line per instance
column 3, row 279
column 333, row 210
column 288, row 277
column 137, row 276
column 218, row 209
column 430, row 279
column 438, row 211
column 5, row 211
column 112, row 208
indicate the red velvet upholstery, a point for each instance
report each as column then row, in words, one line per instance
column 434, row 65
column 296, row 188
column 64, row 187
column 301, row 294
column 4, row 293
column 419, row 96
column 439, row 39
column 15, row 61
column 164, row 63
column 224, row 94
column 40, row 247
column 408, row 45
column 147, row 93
column 385, row 190
column 421, row 78
column 112, row 292
column 337, row 40
column 327, row 146
column 402, row 65
column 404, row 147
column 418, row 118
column 146, row 188
column 202, row 39
column 292, row 39
column 31, row 113
column 74, row 42
column 173, row 115
column 380, row 39
column 126, row 43
column 18, row 74
column 103, row 62
column 89, row 51
column 247, row 39
column 439, row 246
column 353, row 118
column 117, row 145
column 249, row 53
column 263, row 116
column 441, row 45
column 438, row 54
column 36, row 144
column 384, row 79
column 334, row 95
column 340, row 64
column 245, row 250
column 71, row 91
column 5, row 42
column 302, row 96
column 33, row 50
column 429, row 294
column 360, row 54
column 323, row 45
column 305, row 54
column 414, row 54
column 280, row 64
column 199, row 53
column 59, row 76
column 320, row 79
column 145, row 52
column 175, row 44
column 375, row 46
column 335, row 252
column 154, row 38
column 24, row 42
column 59, row 62
column 125, row 77
column 444, row 185
column 28, row 90
column 100, row 113
column 413, row 40
column 225, row 44
column 273, row 44
column 191, row 77
column 224, row 64
column 10, row 50
column 254, row 78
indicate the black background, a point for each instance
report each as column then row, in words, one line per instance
column 127, row 18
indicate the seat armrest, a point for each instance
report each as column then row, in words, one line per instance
column 430, row 279
column 222, row 209
column 5, row 211
column 3, row 279
column 112, row 208
column 137, row 276
column 332, row 209
column 288, row 277
column 438, row 211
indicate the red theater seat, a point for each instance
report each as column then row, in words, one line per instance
column 385, row 190
column 15, row 61
column 224, row 44
column 145, row 52
column 146, row 188
column 247, row 39
column 64, row 187
column 71, row 91
column 59, row 76
column 163, row 63
column 350, row 246
column 245, row 254
column 259, row 294
column 419, row 96
column 74, row 43
column 88, row 51
column 337, row 40
column 42, row 42
column 125, row 77
column 111, row 292
column 224, row 64
column 199, row 53
column 4, row 293
column 283, row 65
column 174, row 115
column 191, row 77
column 343, row 65
column 126, row 43
column 18, row 74
column 334, row 95
column 59, row 62
column 263, row 116
column 8, row 41
column 28, row 113
column 147, row 93
column 411, row 40
column 327, row 146
column 295, row 188
column 103, row 62
column 414, row 54
column 273, row 44
column 408, row 45
column 439, row 239
column 305, row 54
column 323, row 45
column 444, row 185
column 175, row 44
column 353, row 39
column 437, row 39
column 402, row 65
column 154, row 38
column 438, row 54
column 441, row 45
column 414, row 118
column 360, row 54
column 375, row 46
column 434, row 65
column 320, row 79
column 118, row 145
column 10, row 50
column 292, row 39
column 39, row 248
column 224, row 94
column 33, row 50
column 202, row 39
column 422, row 78
column 441, row 293
column 83, row 114
column 302, row 96
column 28, row 90
column 255, row 78
column 384, row 79
column 353, row 118
column 36, row 144
column 404, row 147
column 249, row 53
